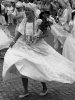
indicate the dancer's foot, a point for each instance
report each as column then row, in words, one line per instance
column 24, row 95
column 44, row 92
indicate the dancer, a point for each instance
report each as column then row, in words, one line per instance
column 5, row 37
column 69, row 45
column 30, row 25
column 10, row 10
column 2, row 19
column 61, row 30
column 18, row 14
column 34, row 58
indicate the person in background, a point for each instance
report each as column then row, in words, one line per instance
column 69, row 45
column 66, row 16
column 10, row 10
column 18, row 14
column 5, row 37
column 2, row 19
column 39, row 4
column 53, row 9
column 64, row 20
column 5, row 13
column 14, row 5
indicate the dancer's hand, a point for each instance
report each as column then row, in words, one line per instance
column 11, row 44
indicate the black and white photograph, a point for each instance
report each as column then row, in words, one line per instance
column 37, row 49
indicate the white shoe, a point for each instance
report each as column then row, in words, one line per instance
column 44, row 92
column 23, row 95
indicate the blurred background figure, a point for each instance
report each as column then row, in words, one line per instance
column 2, row 19
column 10, row 10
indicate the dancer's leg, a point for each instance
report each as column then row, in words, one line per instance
column 25, row 85
column 44, row 91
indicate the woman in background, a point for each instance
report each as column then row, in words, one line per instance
column 2, row 19
column 69, row 45
column 60, row 30
column 10, row 10
column 5, row 37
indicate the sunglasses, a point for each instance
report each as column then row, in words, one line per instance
column 19, row 8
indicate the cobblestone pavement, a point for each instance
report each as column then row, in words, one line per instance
column 11, row 89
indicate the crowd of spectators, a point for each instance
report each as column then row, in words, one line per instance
column 53, row 6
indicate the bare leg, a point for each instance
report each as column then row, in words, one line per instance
column 44, row 86
column 44, row 92
column 25, row 85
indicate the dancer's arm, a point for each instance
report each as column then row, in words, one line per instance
column 20, row 31
column 17, row 36
column 15, row 39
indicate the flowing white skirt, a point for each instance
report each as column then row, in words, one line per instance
column 5, row 39
column 69, row 48
column 39, row 62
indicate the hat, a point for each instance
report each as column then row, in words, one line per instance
column 32, row 7
column 19, row 4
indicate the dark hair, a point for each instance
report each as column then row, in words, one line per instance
column 45, row 23
column 41, row 16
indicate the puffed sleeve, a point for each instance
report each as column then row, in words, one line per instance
column 38, row 22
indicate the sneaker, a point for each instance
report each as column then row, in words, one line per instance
column 44, row 92
column 23, row 95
